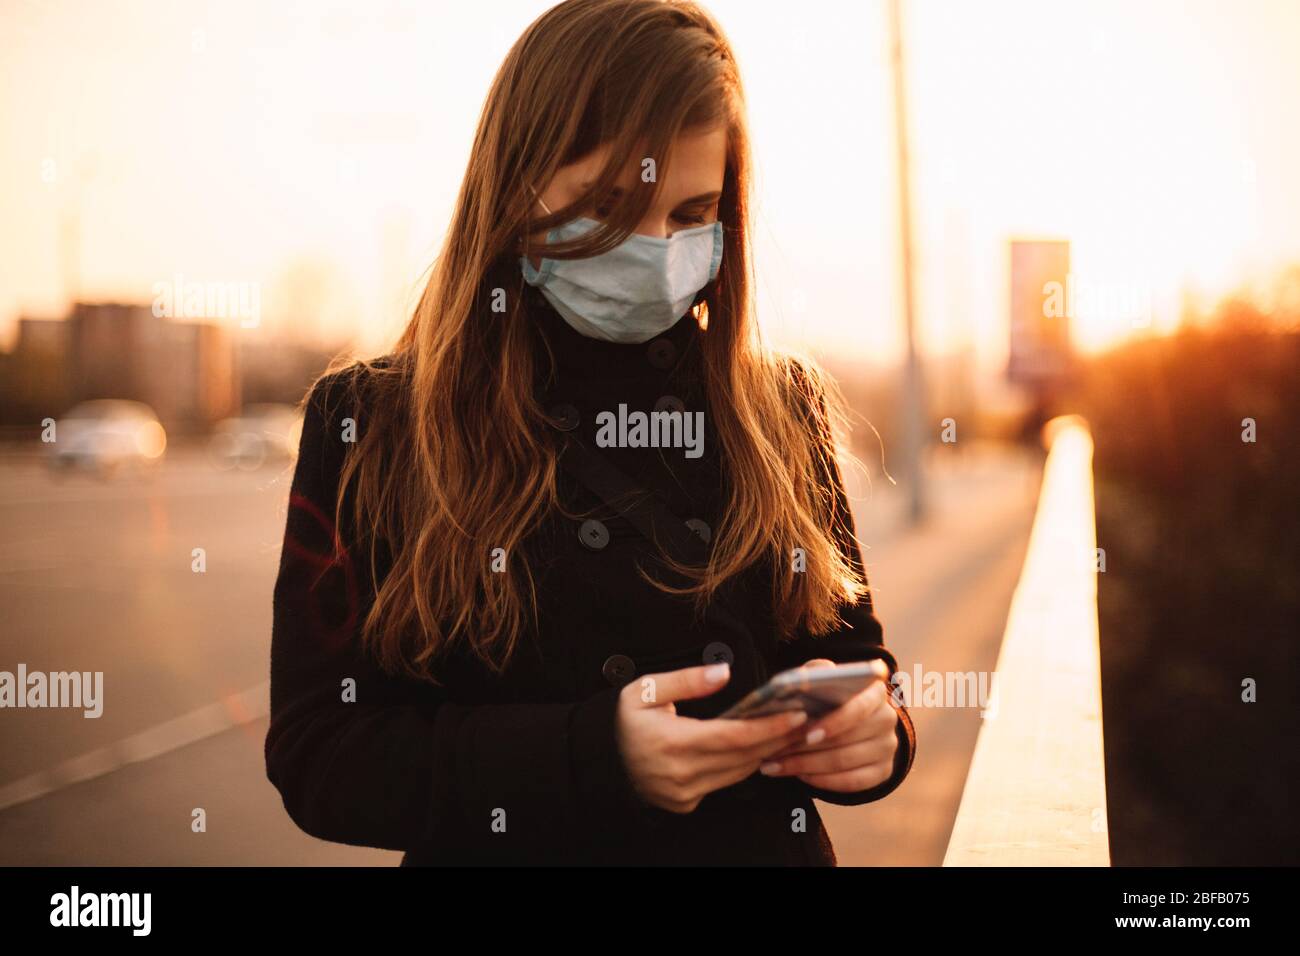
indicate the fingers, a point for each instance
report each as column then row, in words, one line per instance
column 690, row 780
column 700, row 756
column 726, row 777
column 849, row 749
column 739, row 736
column 850, row 717
column 834, row 760
column 657, row 690
column 868, row 711
column 684, row 779
column 851, row 781
column 714, row 760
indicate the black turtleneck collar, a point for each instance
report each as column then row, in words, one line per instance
column 581, row 358
column 584, row 377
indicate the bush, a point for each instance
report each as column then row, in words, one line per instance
column 1202, row 540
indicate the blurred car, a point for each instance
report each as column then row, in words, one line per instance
column 262, row 433
column 106, row 435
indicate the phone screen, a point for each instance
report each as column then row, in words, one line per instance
column 815, row 690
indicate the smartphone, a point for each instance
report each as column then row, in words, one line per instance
column 815, row 690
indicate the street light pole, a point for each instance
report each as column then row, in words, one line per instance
column 913, row 417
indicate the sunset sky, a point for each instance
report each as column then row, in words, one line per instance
column 315, row 148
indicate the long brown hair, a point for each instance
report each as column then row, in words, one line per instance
column 455, row 458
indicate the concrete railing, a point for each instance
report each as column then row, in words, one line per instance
column 1036, row 791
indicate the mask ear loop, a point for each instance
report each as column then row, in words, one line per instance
column 538, row 197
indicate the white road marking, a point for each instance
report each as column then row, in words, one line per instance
column 215, row 718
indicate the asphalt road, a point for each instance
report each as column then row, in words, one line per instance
column 97, row 576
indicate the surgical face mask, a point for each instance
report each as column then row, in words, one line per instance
column 633, row 292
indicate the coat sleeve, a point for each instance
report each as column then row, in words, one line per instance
column 860, row 637
column 361, row 757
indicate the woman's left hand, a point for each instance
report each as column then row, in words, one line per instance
column 850, row 749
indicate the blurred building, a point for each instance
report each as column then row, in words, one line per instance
column 42, row 337
column 191, row 373
column 276, row 370
column 1040, row 355
column 33, row 377
column 185, row 371
column 1041, row 358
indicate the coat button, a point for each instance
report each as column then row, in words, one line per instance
column 670, row 403
column 593, row 534
column 662, row 353
column 565, row 417
column 618, row 669
column 719, row 653
column 700, row 529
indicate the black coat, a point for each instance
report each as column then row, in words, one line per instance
column 437, row 771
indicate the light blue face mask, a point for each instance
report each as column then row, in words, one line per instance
column 636, row 290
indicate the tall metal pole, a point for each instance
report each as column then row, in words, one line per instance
column 913, row 417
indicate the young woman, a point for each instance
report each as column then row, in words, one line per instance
column 493, row 640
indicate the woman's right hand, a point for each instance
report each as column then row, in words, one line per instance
column 674, row 762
